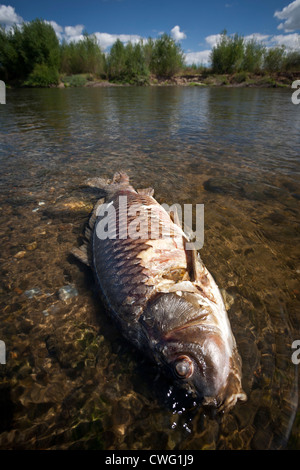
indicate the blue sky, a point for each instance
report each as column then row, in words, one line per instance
column 195, row 24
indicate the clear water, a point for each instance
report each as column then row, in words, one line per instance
column 70, row 381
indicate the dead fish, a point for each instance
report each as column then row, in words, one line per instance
column 160, row 294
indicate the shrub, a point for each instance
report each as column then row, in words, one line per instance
column 23, row 48
column 167, row 57
column 274, row 59
column 292, row 61
column 240, row 77
column 42, row 76
column 227, row 55
column 116, row 61
column 74, row 80
column 253, row 56
column 84, row 56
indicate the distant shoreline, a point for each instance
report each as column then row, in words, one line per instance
column 204, row 79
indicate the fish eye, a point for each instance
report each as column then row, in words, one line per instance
column 184, row 367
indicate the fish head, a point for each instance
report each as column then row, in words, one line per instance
column 196, row 353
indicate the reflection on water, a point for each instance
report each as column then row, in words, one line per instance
column 70, row 380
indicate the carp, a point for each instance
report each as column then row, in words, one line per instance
column 160, row 294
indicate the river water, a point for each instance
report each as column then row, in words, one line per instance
column 70, row 381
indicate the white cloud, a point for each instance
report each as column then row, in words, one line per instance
column 106, row 40
column 257, row 37
column 200, row 57
column 176, row 34
column 74, row 30
column 291, row 16
column 213, row 39
column 8, row 16
column 73, row 33
column 291, row 41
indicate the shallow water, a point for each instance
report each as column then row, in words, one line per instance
column 70, row 381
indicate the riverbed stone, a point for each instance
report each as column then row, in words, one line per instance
column 67, row 292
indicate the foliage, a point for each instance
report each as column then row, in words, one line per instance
column 167, row 57
column 292, row 61
column 133, row 63
column 240, row 77
column 227, row 56
column 42, row 76
column 136, row 70
column 23, row 48
column 253, row 56
column 84, row 56
column 233, row 54
column 274, row 59
column 75, row 80
column 31, row 54
column 128, row 63
column 39, row 45
column 116, row 62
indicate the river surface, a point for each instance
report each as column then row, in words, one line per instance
column 70, row 381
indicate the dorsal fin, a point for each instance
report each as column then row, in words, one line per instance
column 146, row 191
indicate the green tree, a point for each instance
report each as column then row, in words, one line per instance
column 42, row 76
column 292, row 61
column 136, row 70
column 274, row 59
column 116, row 61
column 253, row 56
column 227, row 55
column 167, row 57
column 23, row 48
column 11, row 54
column 148, row 48
column 39, row 45
column 84, row 56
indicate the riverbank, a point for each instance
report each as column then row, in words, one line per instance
column 241, row 79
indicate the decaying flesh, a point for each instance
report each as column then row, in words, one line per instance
column 163, row 297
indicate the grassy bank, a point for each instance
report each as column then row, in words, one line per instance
column 202, row 79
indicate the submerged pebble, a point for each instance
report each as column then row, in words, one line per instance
column 54, row 308
column 30, row 293
column 67, row 292
column 20, row 254
column 31, row 246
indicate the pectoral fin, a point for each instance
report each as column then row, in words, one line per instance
column 82, row 254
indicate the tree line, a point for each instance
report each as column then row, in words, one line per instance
column 32, row 55
column 234, row 54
